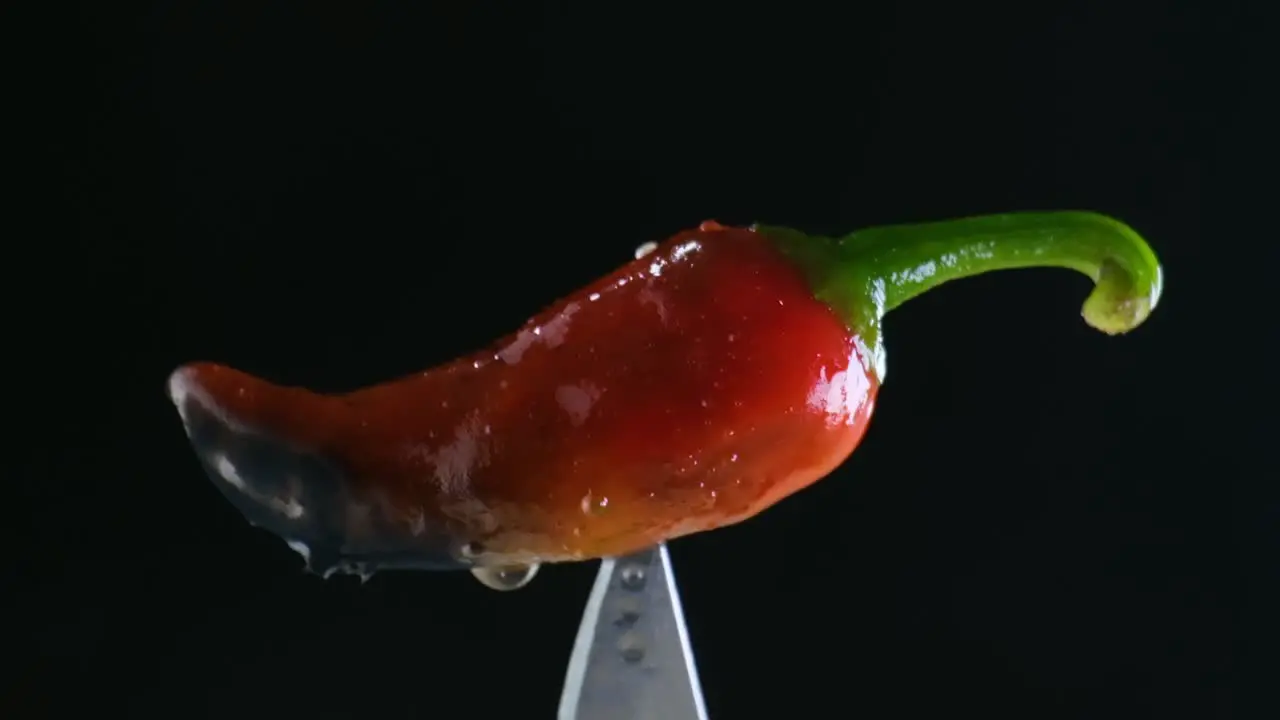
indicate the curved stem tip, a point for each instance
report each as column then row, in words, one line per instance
column 870, row 272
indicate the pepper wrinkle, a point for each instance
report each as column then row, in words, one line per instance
column 711, row 377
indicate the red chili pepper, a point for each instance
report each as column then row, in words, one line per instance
column 689, row 390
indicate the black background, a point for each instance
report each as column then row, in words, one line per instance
column 1043, row 522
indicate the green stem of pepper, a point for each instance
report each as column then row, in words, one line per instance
column 868, row 273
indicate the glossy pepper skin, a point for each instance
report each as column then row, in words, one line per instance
column 690, row 389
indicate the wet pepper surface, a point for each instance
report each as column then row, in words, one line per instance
column 690, row 389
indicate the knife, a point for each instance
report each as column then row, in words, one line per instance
column 632, row 659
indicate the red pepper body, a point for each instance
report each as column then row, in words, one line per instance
column 691, row 389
